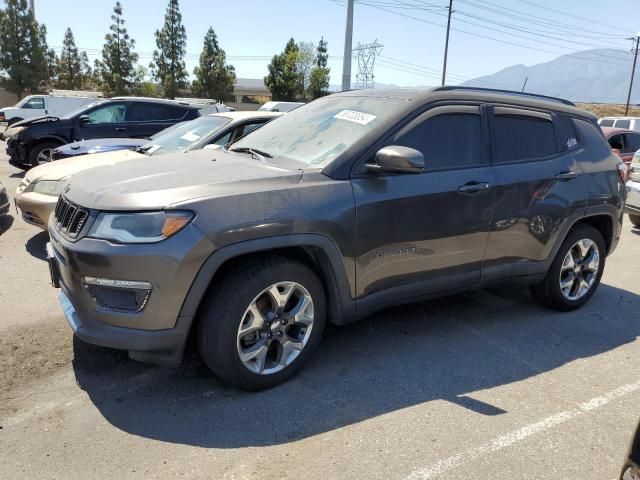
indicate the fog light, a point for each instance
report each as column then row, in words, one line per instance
column 124, row 296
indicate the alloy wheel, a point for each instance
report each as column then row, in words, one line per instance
column 579, row 269
column 44, row 156
column 275, row 328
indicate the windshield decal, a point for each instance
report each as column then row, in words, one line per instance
column 190, row 137
column 355, row 117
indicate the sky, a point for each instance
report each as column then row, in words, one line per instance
column 412, row 32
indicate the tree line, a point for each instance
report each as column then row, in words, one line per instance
column 29, row 65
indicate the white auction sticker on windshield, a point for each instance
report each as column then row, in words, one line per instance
column 355, row 117
column 190, row 137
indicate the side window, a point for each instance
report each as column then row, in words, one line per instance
column 623, row 123
column 606, row 123
column 35, row 103
column 617, row 142
column 224, row 139
column 150, row 112
column 633, row 142
column 250, row 127
column 109, row 113
column 519, row 137
column 448, row 140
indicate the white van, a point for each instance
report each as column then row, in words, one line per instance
column 280, row 106
column 56, row 104
column 630, row 123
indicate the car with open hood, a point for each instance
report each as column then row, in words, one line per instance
column 30, row 142
column 355, row 202
column 38, row 192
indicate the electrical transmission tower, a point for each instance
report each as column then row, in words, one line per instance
column 366, row 55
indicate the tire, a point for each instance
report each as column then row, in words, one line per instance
column 38, row 149
column 549, row 291
column 226, row 309
column 635, row 220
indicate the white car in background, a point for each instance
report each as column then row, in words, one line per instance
column 629, row 123
column 56, row 104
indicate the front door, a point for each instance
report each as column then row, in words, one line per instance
column 426, row 232
column 107, row 120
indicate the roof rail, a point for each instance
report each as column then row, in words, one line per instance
column 509, row 92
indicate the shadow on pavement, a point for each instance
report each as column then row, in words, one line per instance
column 37, row 245
column 6, row 221
column 443, row 349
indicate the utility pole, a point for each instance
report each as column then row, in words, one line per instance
column 366, row 55
column 33, row 8
column 446, row 44
column 348, row 42
column 633, row 71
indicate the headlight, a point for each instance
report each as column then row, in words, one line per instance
column 48, row 187
column 146, row 227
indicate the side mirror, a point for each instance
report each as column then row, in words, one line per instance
column 84, row 119
column 397, row 159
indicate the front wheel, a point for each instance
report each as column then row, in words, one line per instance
column 41, row 153
column 262, row 322
column 575, row 272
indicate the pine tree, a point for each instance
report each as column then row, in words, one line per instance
column 213, row 78
column 319, row 78
column 168, row 61
column 24, row 54
column 70, row 67
column 284, row 78
column 118, row 65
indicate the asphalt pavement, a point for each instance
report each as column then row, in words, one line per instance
column 488, row 385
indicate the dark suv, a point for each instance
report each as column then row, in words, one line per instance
column 30, row 142
column 357, row 201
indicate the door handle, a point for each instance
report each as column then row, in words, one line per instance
column 564, row 176
column 473, row 187
column 121, row 129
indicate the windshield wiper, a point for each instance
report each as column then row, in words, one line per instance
column 257, row 154
column 143, row 149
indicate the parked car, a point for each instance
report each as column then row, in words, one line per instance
column 633, row 191
column 357, row 201
column 100, row 145
column 57, row 104
column 628, row 123
column 631, row 468
column 280, row 106
column 30, row 142
column 37, row 194
column 4, row 200
column 625, row 142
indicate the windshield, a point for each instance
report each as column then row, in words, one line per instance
column 317, row 133
column 184, row 136
column 81, row 109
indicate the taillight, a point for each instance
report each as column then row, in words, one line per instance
column 623, row 171
column 2, row 118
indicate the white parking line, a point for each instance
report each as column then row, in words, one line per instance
column 520, row 434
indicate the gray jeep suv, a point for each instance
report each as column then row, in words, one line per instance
column 357, row 201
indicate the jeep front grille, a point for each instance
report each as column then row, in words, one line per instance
column 69, row 218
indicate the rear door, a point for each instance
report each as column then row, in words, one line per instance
column 148, row 118
column 103, row 121
column 426, row 232
column 538, row 188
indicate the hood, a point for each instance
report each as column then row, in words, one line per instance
column 31, row 121
column 71, row 166
column 101, row 145
column 159, row 182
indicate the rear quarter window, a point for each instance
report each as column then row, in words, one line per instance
column 622, row 123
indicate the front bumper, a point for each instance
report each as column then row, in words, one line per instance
column 632, row 204
column 36, row 208
column 17, row 153
column 157, row 333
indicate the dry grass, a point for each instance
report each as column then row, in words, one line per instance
column 609, row 109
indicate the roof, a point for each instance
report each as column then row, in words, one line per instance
column 157, row 100
column 424, row 96
column 620, row 118
column 608, row 131
column 247, row 115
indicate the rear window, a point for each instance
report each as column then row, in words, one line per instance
column 623, row 123
column 606, row 123
column 522, row 137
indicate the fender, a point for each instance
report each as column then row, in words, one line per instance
column 334, row 271
column 47, row 137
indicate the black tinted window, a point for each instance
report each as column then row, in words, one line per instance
column 148, row 112
column 606, row 123
column 633, row 142
column 448, row 140
column 616, row 142
column 522, row 137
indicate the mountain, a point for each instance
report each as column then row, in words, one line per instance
column 597, row 76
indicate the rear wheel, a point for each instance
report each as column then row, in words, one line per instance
column 41, row 153
column 262, row 322
column 635, row 220
column 576, row 271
